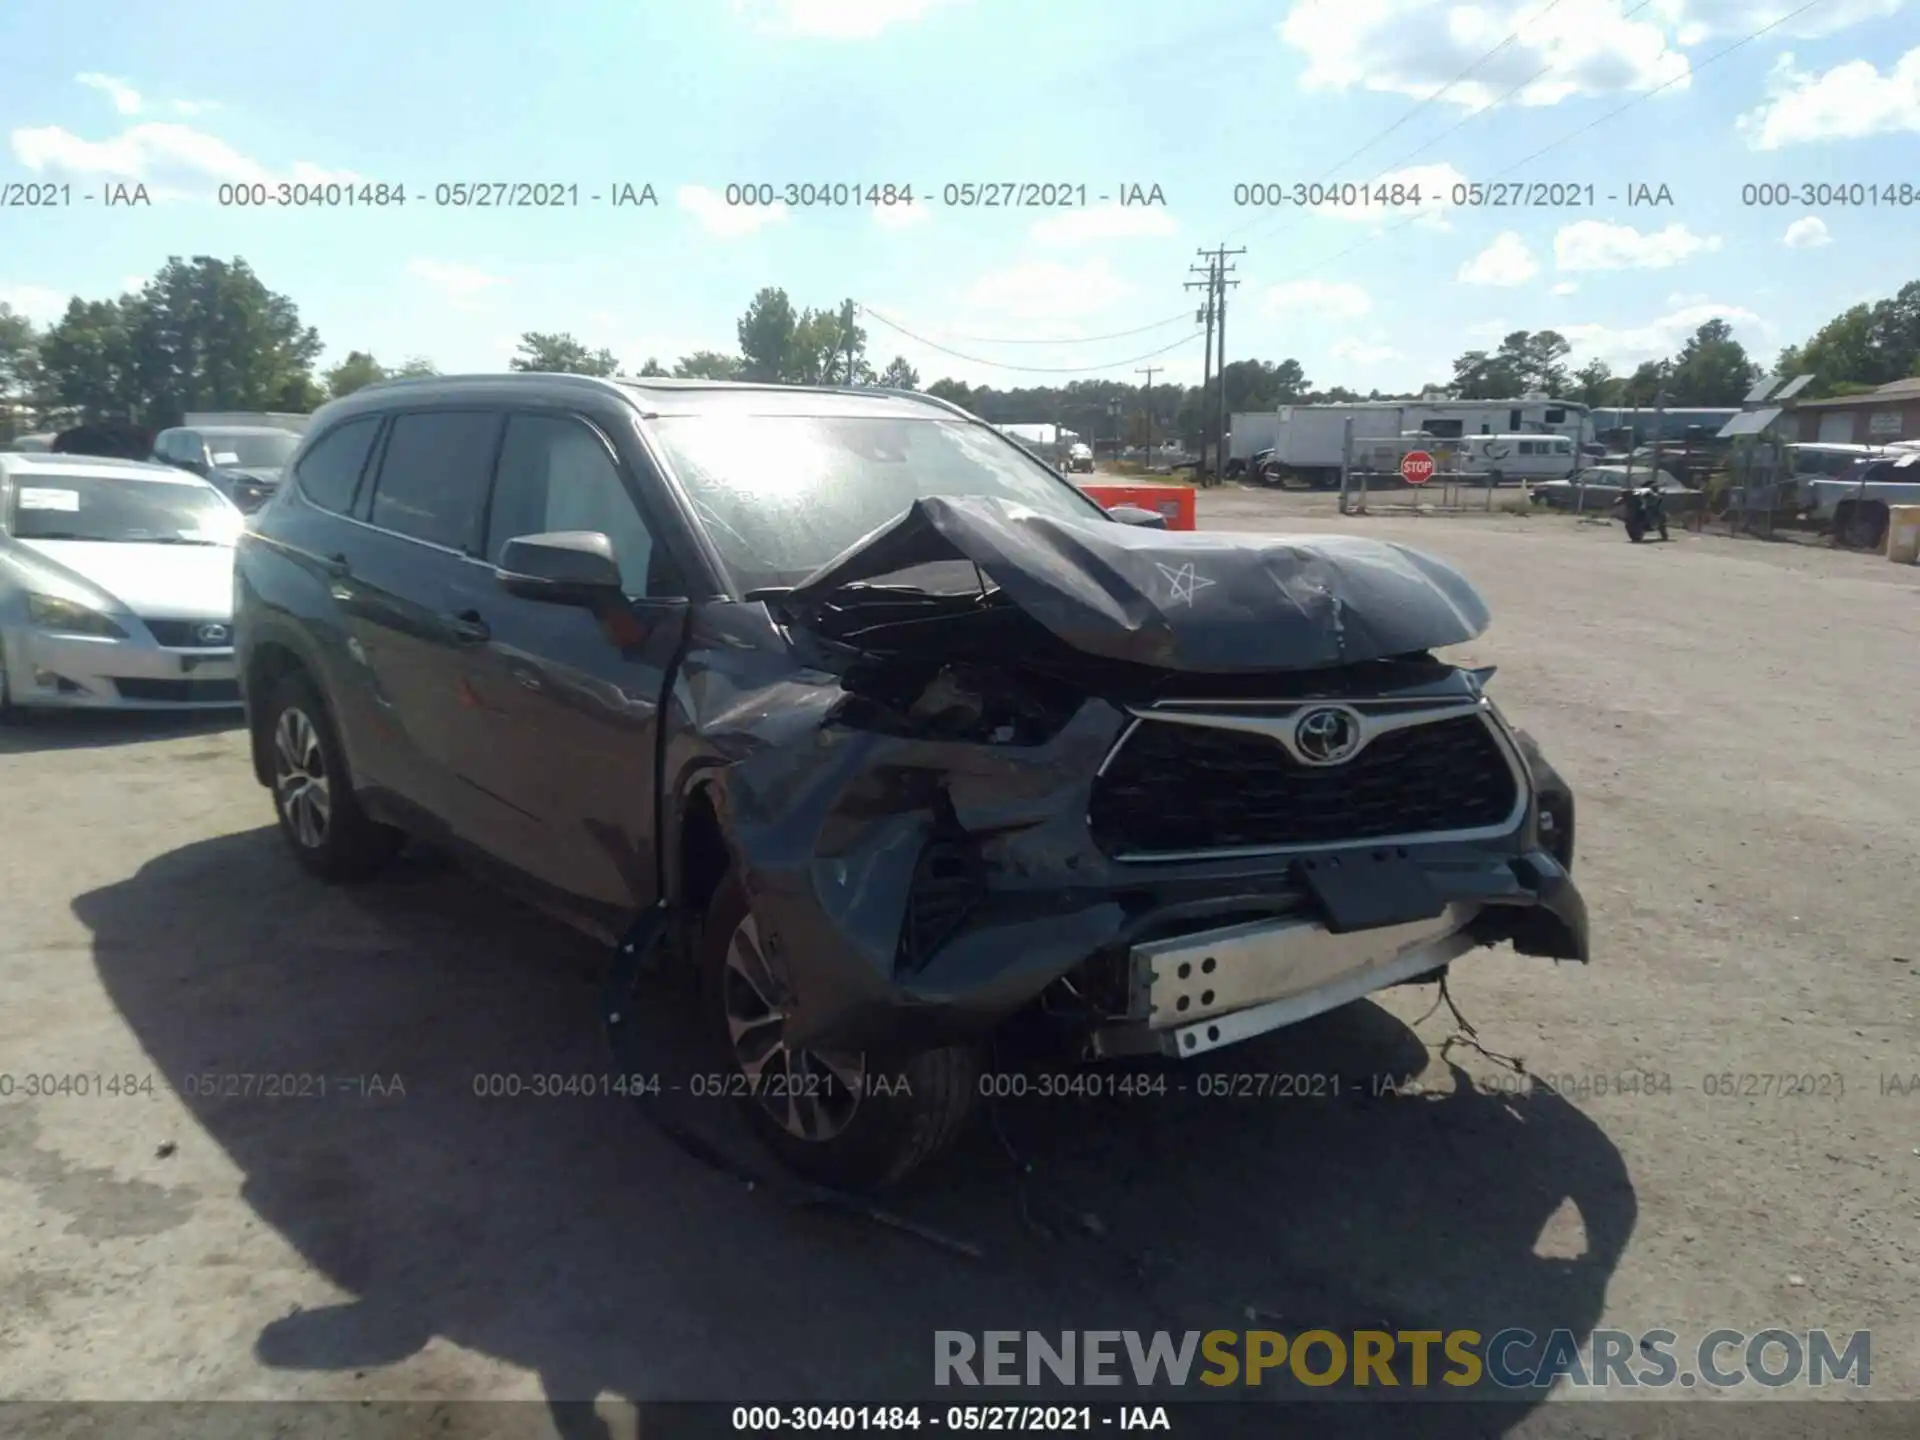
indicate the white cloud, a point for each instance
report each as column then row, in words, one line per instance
column 1103, row 222
column 1806, row 233
column 1597, row 245
column 1701, row 19
column 133, row 283
column 1680, row 299
column 901, row 217
column 1848, row 102
column 1507, row 261
column 832, row 19
column 155, row 151
column 125, row 98
column 1047, row 290
column 36, row 302
column 193, row 107
column 1338, row 299
column 1415, row 47
column 1624, row 347
column 460, row 285
column 724, row 220
column 1359, row 352
column 1565, row 287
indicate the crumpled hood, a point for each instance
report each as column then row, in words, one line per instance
column 1195, row 600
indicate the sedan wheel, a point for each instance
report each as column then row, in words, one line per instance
column 813, row 1095
column 300, row 784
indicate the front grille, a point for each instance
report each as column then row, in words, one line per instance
column 1176, row 788
column 181, row 692
column 181, row 634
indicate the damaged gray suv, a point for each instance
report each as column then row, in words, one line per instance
column 866, row 717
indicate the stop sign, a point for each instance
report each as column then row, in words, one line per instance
column 1416, row 468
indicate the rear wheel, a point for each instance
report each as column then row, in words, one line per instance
column 853, row 1120
column 312, row 792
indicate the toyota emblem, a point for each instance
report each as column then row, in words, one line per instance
column 212, row 634
column 1327, row 736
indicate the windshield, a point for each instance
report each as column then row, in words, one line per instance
column 92, row 507
column 781, row 495
column 251, row 450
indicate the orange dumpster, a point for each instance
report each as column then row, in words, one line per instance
column 1173, row 501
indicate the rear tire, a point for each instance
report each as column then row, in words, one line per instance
column 850, row 1122
column 322, row 822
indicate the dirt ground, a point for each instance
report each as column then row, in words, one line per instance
column 1736, row 719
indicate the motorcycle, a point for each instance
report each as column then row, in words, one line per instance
column 1644, row 510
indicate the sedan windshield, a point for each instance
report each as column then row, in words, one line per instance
column 251, row 449
column 781, row 495
column 95, row 507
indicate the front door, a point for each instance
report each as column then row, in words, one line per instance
column 561, row 726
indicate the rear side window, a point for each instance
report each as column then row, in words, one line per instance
column 329, row 473
column 433, row 476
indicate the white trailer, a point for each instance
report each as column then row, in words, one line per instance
column 1249, row 432
column 1311, row 438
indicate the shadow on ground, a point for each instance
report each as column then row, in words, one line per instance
column 28, row 731
column 568, row 1236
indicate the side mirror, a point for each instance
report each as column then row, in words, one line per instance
column 562, row 567
column 1138, row 515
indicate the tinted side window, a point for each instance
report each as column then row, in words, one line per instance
column 433, row 476
column 330, row 471
column 556, row 474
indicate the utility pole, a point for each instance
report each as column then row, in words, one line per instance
column 1149, row 371
column 1220, row 283
column 846, row 337
column 1206, row 362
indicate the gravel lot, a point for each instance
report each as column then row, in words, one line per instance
column 1732, row 716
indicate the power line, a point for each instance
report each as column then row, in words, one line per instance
column 1027, row 369
column 1439, row 94
column 1393, row 166
column 1063, row 340
column 1556, row 144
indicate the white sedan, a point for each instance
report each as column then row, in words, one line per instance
column 116, row 586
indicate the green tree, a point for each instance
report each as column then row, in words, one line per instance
column 652, row 368
column 1594, row 384
column 415, row 368
column 706, row 365
column 355, row 372
column 86, row 361
column 767, row 335
column 1711, row 369
column 559, row 353
column 899, row 375
column 1525, row 361
column 953, row 392
column 19, row 370
column 206, row 334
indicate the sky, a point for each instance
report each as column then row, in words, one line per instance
column 1199, row 113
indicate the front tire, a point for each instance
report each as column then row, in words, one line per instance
column 322, row 822
column 850, row 1121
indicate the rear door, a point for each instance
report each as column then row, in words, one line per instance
column 421, row 519
column 558, row 746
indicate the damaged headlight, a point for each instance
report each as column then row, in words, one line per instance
column 969, row 704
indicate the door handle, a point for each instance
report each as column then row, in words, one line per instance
column 468, row 626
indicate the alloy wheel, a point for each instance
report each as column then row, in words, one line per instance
column 300, row 783
column 811, row 1094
